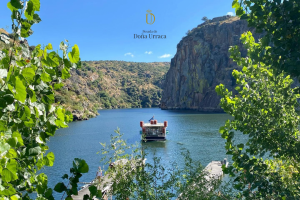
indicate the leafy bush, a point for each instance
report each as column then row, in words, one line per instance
column 29, row 116
column 267, row 166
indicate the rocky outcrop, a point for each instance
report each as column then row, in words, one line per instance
column 80, row 115
column 202, row 62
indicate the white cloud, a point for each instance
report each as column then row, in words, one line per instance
column 129, row 54
column 148, row 52
column 230, row 13
column 165, row 56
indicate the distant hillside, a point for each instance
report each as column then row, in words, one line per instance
column 11, row 40
column 112, row 84
column 109, row 84
column 2, row 44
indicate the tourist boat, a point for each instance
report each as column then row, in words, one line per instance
column 154, row 131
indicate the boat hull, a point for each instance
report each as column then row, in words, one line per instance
column 153, row 138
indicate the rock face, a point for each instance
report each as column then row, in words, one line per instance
column 202, row 62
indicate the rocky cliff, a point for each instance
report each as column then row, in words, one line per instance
column 202, row 62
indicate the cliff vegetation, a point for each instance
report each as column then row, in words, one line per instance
column 112, row 84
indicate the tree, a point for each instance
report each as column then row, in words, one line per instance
column 29, row 116
column 279, row 20
column 205, row 19
column 267, row 165
column 188, row 32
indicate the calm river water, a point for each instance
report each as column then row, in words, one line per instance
column 188, row 130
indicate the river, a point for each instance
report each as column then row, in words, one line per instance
column 188, row 130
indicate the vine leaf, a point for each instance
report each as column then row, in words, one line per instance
column 10, row 172
column 74, row 54
column 20, row 90
column 14, row 5
column 28, row 73
column 60, row 187
column 29, row 11
column 36, row 5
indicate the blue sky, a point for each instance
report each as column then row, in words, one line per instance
column 104, row 29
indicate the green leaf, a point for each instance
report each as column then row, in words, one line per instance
column 52, row 59
column 14, row 197
column 93, row 190
column 11, row 153
column 12, row 141
column 235, row 4
column 14, row 5
column 27, row 111
column 60, row 114
column 37, row 19
column 239, row 11
column 20, row 90
column 34, row 151
column 32, row 95
column 29, row 11
column 80, row 165
column 67, row 63
column 51, row 158
column 60, row 187
column 48, row 193
column 222, row 129
column 8, row 192
column 58, row 86
column 25, row 29
column 49, row 46
column 21, row 62
column 45, row 77
column 10, row 172
column 60, row 124
column 29, row 123
column 36, row 5
column 65, row 176
column 12, row 9
column 28, row 73
column 19, row 137
column 74, row 54
column 65, row 73
column 9, row 98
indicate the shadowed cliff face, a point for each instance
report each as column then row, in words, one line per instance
column 202, row 62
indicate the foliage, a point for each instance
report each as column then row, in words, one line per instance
column 79, row 167
column 205, row 19
column 267, row 166
column 28, row 116
column 134, row 176
column 280, row 21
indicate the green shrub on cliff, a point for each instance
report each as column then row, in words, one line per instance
column 115, row 84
